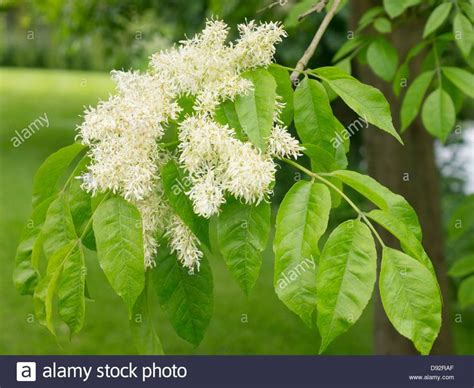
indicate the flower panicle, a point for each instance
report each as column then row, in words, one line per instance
column 123, row 133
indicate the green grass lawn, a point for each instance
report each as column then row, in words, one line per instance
column 258, row 325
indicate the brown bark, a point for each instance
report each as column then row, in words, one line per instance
column 411, row 171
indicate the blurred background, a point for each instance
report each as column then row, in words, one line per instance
column 55, row 58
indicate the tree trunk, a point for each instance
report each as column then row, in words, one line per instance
column 411, row 171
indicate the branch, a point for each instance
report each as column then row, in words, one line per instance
column 303, row 62
column 315, row 8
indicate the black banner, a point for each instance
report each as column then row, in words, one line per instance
column 236, row 371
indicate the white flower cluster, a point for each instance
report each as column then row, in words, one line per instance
column 123, row 133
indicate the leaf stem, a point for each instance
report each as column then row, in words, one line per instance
column 359, row 212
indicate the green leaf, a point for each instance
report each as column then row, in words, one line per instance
column 71, row 288
column 369, row 16
column 400, row 78
column 382, row 58
column 302, row 219
column 383, row 25
column 118, row 232
column 226, row 114
column 403, row 71
column 395, row 8
column 462, row 79
column 468, row 9
column 176, row 184
column 45, row 291
column 25, row 275
column 367, row 101
column 49, row 173
column 408, row 241
column 457, row 96
column 438, row 114
column 437, row 18
column 285, row 90
column 243, row 232
column 462, row 267
column 79, row 201
column 462, row 29
column 345, row 279
column 255, row 110
column 186, row 298
column 461, row 222
column 348, row 47
column 314, row 119
column 58, row 229
column 323, row 160
column 81, row 210
column 142, row 328
column 45, row 188
column 410, row 298
column 466, row 292
column 344, row 134
column 414, row 97
column 295, row 11
column 382, row 197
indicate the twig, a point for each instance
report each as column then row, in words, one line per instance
column 315, row 8
column 303, row 62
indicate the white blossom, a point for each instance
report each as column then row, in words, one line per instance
column 207, row 194
column 282, row 145
column 124, row 133
column 184, row 243
column 256, row 45
column 248, row 173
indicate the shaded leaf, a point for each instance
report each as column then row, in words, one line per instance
column 71, row 289
column 186, row 298
column 176, row 184
column 382, row 58
column 466, row 292
column 284, row 90
column 243, row 232
column 414, row 97
column 462, row 267
column 437, row 18
column 142, row 327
